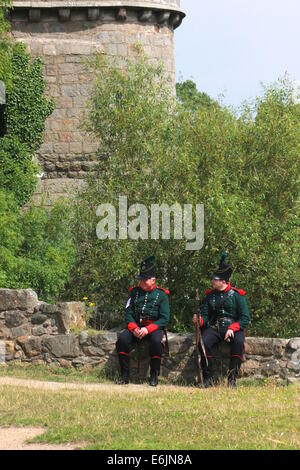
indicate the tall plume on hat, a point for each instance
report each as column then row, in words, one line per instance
column 223, row 258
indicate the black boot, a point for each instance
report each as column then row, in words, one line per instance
column 207, row 373
column 234, row 368
column 153, row 378
column 124, row 367
column 154, row 370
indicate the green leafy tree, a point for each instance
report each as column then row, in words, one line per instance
column 188, row 94
column 36, row 247
column 17, row 169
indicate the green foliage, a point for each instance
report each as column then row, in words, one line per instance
column 188, row 94
column 4, row 25
column 17, row 170
column 36, row 247
column 245, row 170
column 10, row 238
column 27, row 107
column 25, row 113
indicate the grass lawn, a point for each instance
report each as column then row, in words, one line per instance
column 53, row 373
column 166, row 417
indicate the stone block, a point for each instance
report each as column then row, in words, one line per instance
column 71, row 314
column 9, row 350
column 48, row 309
column 31, row 345
column 14, row 318
column 259, row 346
column 18, row 299
column 61, row 346
column 250, row 367
column 270, row 368
column 76, row 147
column 23, row 330
column 294, row 344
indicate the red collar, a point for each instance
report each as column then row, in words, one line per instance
column 227, row 288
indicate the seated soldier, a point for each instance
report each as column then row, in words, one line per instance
column 224, row 316
column 147, row 314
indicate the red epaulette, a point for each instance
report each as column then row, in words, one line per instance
column 166, row 291
column 208, row 291
column 240, row 291
column 131, row 288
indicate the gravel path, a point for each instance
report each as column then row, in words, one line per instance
column 44, row 385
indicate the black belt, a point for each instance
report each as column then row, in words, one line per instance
column 222, row 322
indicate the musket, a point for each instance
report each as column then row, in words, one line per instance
column 199, row 340
column 139, row 350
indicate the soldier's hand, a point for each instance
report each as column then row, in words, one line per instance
column 229, row 335
column 143, row 332
column 195, row 321
column 136, row 332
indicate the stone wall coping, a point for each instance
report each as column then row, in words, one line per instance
column 172, row 5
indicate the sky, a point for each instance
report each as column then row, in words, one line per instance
column 228, row 47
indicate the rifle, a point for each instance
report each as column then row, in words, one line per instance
column 139, row 351
column 199, row 340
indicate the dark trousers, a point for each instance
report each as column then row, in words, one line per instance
column 126, row 342
column 211, row 337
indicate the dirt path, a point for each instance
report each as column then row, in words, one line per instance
column 43, row 385
column 14, row 438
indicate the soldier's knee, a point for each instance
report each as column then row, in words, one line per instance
column 123, row 339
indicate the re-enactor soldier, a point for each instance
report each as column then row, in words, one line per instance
column 147, row 314
column 224, row 316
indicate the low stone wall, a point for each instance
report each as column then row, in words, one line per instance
column 36, row 332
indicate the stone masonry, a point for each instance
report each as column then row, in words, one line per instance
column 65, row 33
column 36, row 332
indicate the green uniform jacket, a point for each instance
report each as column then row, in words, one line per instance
column 149, row 309
column 235, row 308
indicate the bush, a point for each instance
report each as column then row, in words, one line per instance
column 10, row 239
column 36, row 247
column 17, row 170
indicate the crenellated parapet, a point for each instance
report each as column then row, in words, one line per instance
column 160, row 12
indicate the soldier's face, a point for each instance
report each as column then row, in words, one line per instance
column 147, row 284
column 219, row 284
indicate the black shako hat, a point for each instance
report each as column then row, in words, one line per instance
column 224, row 271
column 147, row 269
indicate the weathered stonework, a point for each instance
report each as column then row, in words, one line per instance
column 65, row 33
column 42, row 334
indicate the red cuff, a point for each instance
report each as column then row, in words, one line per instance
column 132, row 326
column 152, row 327
column 200, row 321
column 234, row 327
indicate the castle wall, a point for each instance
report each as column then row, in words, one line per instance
column 65, row 38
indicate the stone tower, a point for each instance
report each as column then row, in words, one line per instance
column 64, row 33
